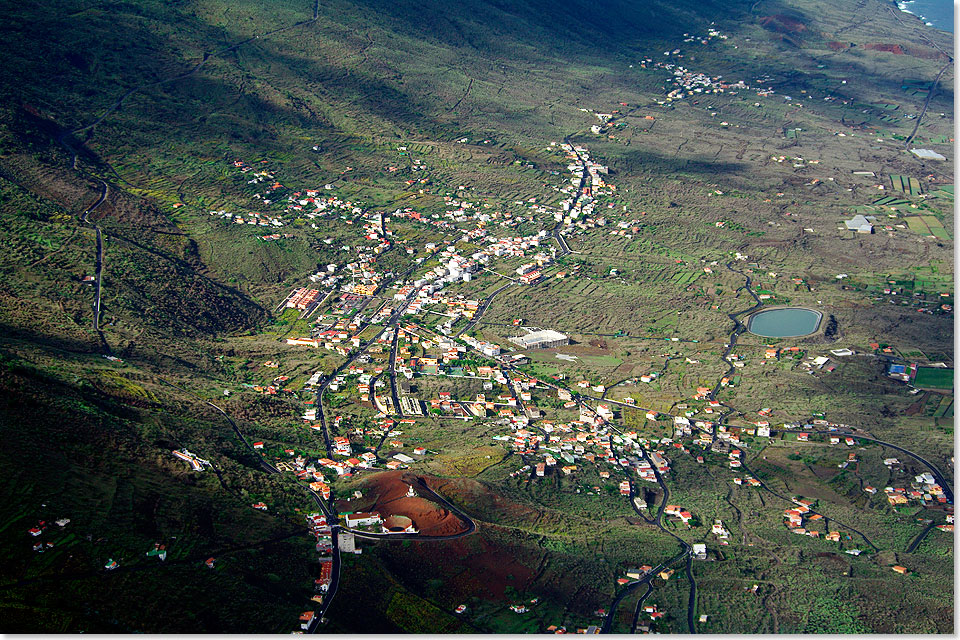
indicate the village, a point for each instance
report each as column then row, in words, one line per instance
column 402, row 335
column 420, row 322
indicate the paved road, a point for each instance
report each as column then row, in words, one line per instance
column 639, row 608
column 318, row 404
column 555, row 232
column 687, row 552
column 263, row 461
column 98, row 269
column 325, row 508
column 393, row 320
column 926, row 104
column 738, row 328
column 334, row 582
column 392, row 371
column 692, row 596
column 481, row 310
column 923, row 534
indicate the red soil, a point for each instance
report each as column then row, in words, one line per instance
column 388, row 491
column 782, row 24
column 479, row 565
column 890, row 48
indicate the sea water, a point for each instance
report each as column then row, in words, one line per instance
column 936, row 13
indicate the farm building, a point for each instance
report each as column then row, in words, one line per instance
column 927, row 154
column 860, row 224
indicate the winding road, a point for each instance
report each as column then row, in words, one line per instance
column 481, row 310
column 98, row 269
column 738, row 328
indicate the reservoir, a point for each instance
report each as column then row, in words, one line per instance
column 788, row 322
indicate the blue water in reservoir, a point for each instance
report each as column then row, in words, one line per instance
column 784, row 323
column 937, row 13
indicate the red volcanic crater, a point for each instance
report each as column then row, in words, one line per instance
column 387, row 493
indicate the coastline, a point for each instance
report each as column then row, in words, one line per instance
column 908, row 6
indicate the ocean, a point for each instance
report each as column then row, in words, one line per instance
column 936, row 13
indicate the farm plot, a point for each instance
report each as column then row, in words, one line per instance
column 905, row 184
column 927, row 226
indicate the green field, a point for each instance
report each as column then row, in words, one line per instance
column 934, row 378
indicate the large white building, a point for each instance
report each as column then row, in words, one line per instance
column 544, row 339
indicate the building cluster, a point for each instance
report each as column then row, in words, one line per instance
column 302, row 298
column 587, row 182
column 250, row 218
column 41, row 527
column 923, row 490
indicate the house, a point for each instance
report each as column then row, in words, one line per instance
column 362, row 518
column 306, row 342
column 306, row 618
column 322, row 488
column 326, row 575
column 899, row 569
column 897, row 499
column 665, row 574
column 794, row 516
column 210, row 562
column 341, row 446
column 158, row 551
